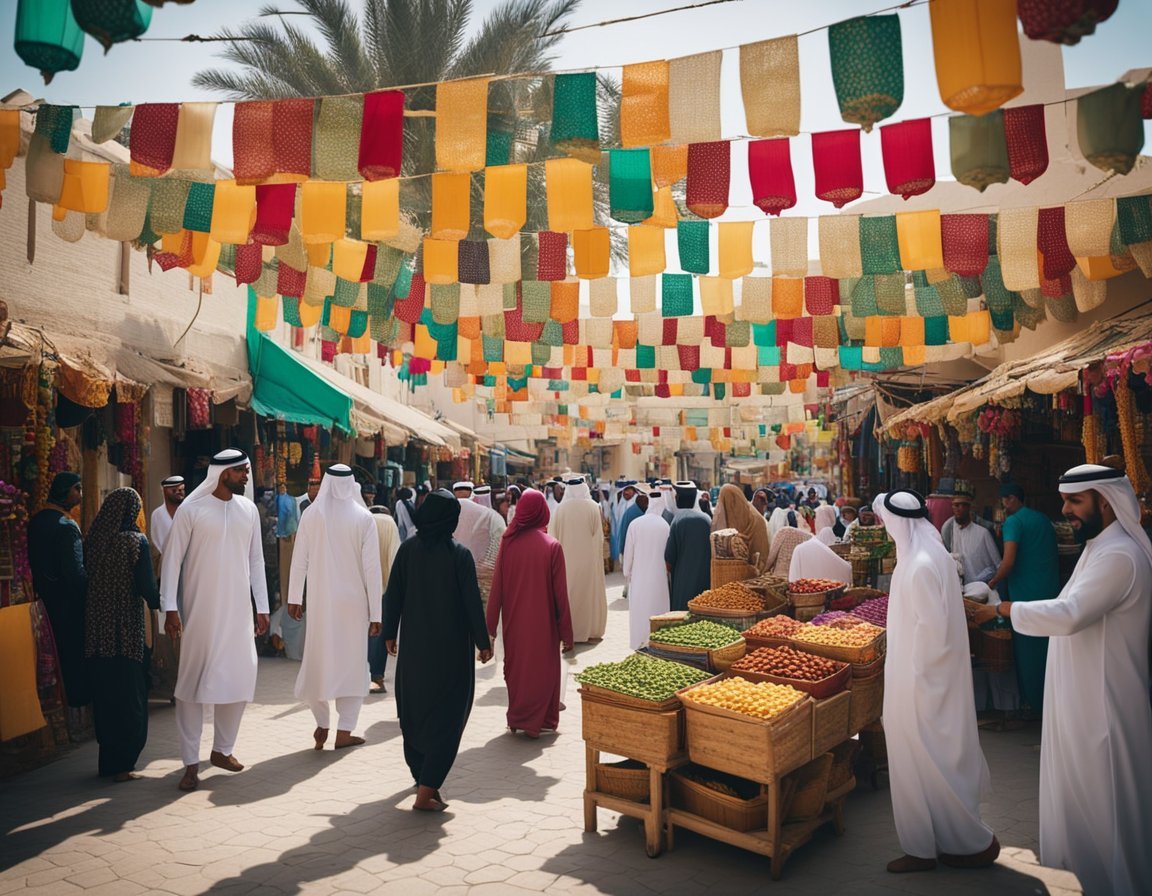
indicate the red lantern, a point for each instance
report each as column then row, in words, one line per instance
column 1063, row 21
column 382, row 134
column 908, row 164
column 965, row 241
column 1027, row 142
column 770, row 171
column 275, row 205
column 1052, row 242
column 709, row 173
column 837, row 165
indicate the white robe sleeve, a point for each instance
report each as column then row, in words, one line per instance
column 629, row 556
column 370, row 563
column 176, row 546
column 299, row 573
column 1096, row 588
column 496, row 527
column 257, row 580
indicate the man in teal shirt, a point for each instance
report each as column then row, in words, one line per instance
column 1030, row 570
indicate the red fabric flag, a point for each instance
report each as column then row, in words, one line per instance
column 253, row 152
column 709, row 174
column 1027, row 142
column 770, row 171
column 837, row 165
column 382, row 135
column 1052, row 241
column 153, row 137
column 908, row 164
column 275, row 205
column 965, row 240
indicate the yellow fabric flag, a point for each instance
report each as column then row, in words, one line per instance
column 380, row 210
column 461, row 124
column 451, row 205
column 569, row 188
column 505, row 199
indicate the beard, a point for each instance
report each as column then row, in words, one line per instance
column 235, row 486
column 176, row 500
column 1089, row 528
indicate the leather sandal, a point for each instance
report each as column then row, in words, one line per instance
column 228, row 763
column 189, row 782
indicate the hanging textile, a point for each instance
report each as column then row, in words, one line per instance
column 755, row 300
column 68, row 225
column 348, row 258
column 879, row 245
column 592, row 252
column 603, row 300
column 789, row 240
column 692, row 245
column 1088, row 225
column 979, row 149
column 552, row 257
column 821, row 295
column 735, row 248
column 127, row 206
column 676, row 295
column 153, row 138
column 380, row 209
column 644, row 104
column 504, row 259
column 890, row 293
column 441, row 259
column 1052, row 242
column 48, row 37
column 575, row 124
column 694, row 98
column 192, row 151
column 1016, row 241
column 253, row 147
column 837, row 166
column 1064, row 22
column 451, row 205
column 840, row 246
column 166, row 210
column 918, row 235
column 716, row 297
column 1089, row 294
column 472, row 262
column 1027, row 142
column 337, row 137
column 965, row 243
column 709, row 168
column 565, row 301
column 10, row 136
column 444, row 303
column 645, row 250
column 1001, row 301
column 275, row 205
column 461, row 124
column 1134, row 219
column 1109, row 128
column 381, row 135
column 867, row 68
column 505, row 200
column 85, row 187
column 977, row 53
column 770, row 173
column 569, row 189
column 289, row 281
column 323, row 207
column 233, row 212
column 109, row 121
column 55, row 124
column 292, row 138
column 770, row 87
column 630, row 185
column 198, row 207
column 787, row 297
column 669, row 164
column 908, row 164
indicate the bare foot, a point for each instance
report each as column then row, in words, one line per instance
column 125, row 776
column 428, row 800
column 320, row 735
column 191, row 779
column 347, row 739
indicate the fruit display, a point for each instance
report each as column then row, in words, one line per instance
column 643, row 677
column 857, row 636
column 758, row 699
column 787, row 662
column 829, row 617
column 814, row 586
column 732, row 596
column 774, row 627
column 874, row 611
column 701, row 635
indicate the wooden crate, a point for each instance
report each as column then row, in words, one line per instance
column 830, row 722
column 741, row 745
column 826, row 687
column 729, row 811
column 656, row 738
column 867, row 700
column 717, row 660
column 865, row 654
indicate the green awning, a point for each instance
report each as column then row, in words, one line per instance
column 284, row 388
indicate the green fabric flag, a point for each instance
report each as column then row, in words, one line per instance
column 499, row 148
column 702, row 376
column 767, row 356
column 358, row 324
column 541, row 353
column 198, row 207
column 403, row 282
column 1134, row 219
column 575, row 124
column 852, row 357
column 864, row 298
column 692, row 244
column 764, row 335
column 630, row 185
column 879, row 245
column 552, row 334
column 1110, row 128
column 928, row 302
column 867, row 68
column 889, row 291
column 493, row 347
column 536, row 301
column 380, row 300
column 676, row 295
column 1000, row 300
column 55, row 122
column 445, row 302
column 290, row 306
column 979, row 149
column 346, row 293
column 645, row 357
column 737, row 334
column 936, row 330
column 1028, row 317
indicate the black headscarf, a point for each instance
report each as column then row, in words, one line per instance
column 437, row 517
column 62, row 484
column 114, row 612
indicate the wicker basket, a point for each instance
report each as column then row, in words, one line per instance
column 865, row 654
column 605, row 695
column 811, row 789
column 818, row 690
column 843, row 761
column 725, row 571
column 806, row 614
column 995, row 650
column 649, row 736
column 728, row 811
column 867, row 701
column 628, row 780
column 841, row 549
column 741, row 745
column 819, row 599
column 830, row 722
column 755, row 643
column 717, row 659
column 698, row 609
column 675, row 617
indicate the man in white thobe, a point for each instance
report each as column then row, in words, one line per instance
column 1095, row 775
column 936, row 767
column 338, row 554
column 813, row 559
column 480, row 530
column 970, row 540
column 214, row 556
column 646, row 570
column 576, row 524
column 160, row 523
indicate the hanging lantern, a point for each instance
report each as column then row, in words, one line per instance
column 382, row 135
column 770, row 172
column 153, row 138
column 837, row 166
column 233, row 212
column 645, row 250
column 965, row 243
column 644, row 104
column 380, row 209
column 462, row 124
column 735, row 249
column 505, row 200
column 1064, row 22
column 451, row 205
column 569, row 188
column 112, row 21
column 694, row 98
column 1109, row 127
column 770, row 87
column 908, row 164
column 48, row 37
column 323, row 208
column 575, row 123
column 1052, row 241
column 709, row 171
column 592, row 254
column 979, row 149
column 977, row 53
column 630, row 185
column 918, row 234
column 1028, row 142
column 867, row 68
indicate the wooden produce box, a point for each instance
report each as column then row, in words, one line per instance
column 625, row 728
column 728, row 811
column 867, row 692
column 714, row 660
column 835, row 683
column 856, row 655
column 830, row 722
column 756, row 749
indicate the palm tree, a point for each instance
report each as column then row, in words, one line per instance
column 401, row 42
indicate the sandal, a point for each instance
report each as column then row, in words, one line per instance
column 228, row 763
column 189, row 782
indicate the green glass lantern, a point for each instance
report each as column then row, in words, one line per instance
column 48, row 37
column 112, row 21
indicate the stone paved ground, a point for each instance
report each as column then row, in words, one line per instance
column 298, row 821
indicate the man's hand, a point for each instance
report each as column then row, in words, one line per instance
column 485, row 655
column 172, row 625
column 296, row 611
column 983, row 613
column 373, row 629
column 390, row 646
column 261, row 623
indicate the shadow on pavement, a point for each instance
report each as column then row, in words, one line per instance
column 477, row 777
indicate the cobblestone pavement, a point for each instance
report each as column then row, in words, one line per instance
column 299, row 821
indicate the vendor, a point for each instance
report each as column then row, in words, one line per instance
column 970, row 540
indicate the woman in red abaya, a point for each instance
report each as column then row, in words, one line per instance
column 529, row 599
